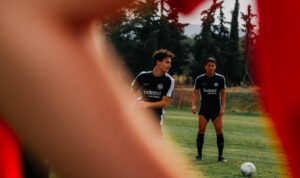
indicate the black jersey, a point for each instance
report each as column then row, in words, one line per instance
column 154, row 88
column 210, row 88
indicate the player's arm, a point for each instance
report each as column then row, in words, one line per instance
column 134, row 91
column 158, row 104
column 195, row 96
column 223, row 101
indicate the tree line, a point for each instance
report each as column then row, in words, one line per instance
column 144, row 26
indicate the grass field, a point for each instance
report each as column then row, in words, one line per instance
column 246, row 139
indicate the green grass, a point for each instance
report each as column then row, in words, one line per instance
column 245, row 140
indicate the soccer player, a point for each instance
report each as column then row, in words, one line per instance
column 156, row 86
column 211, row 86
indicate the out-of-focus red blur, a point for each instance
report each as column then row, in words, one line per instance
column 276, row 66
column 10, row 163
column 186, row 7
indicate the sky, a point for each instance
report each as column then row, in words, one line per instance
column 228, row 5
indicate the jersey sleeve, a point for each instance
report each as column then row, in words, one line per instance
column 171, row 88
column 197, row 84
column 223, row 82
column 135, row 84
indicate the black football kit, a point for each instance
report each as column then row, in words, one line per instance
column 210, row 88
column 210, row 105
column 153, row 89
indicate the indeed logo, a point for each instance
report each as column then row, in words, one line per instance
column 210, row 91
column 152, row 94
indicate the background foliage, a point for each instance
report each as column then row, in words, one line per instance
column 147, row 25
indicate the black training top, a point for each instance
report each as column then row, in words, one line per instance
column 154, row 88
column 210, row 88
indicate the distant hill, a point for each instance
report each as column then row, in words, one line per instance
column 192, row 30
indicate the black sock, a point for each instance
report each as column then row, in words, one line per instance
column 200, row 141
column 220, row 143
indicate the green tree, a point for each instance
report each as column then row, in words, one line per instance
column 248, row 44
column 204, row 46
column 149, row 25
column 234, row 64
column 118, row 30
column 145, row 23
column 172, row 38
column 221, row 38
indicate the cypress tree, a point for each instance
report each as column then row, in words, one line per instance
column 249, row 41
column 204, row 46
column 221, row 38
column 234, row 65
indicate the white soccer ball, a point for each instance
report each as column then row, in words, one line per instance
column 248, row 169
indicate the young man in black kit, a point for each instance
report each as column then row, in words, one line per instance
column 156, row 86
column 210, row 87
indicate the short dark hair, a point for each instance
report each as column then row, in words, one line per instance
column 160, row 54
column 210, row 59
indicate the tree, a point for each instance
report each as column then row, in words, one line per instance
column 234, row 60
column 145, row 23
column 118, row 31
column 150, row 25
column 221, row 38
column 204, row 43
column 173, row 39
column 249, row 41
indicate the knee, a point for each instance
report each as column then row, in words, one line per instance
column 219, row 131
column 201, row 131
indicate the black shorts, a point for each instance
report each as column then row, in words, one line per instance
column 210, row 112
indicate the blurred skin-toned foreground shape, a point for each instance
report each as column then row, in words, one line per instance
column 61, row 94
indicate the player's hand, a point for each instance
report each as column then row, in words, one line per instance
column 194, row 109
column 221, row 113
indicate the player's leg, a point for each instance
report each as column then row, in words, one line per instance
column 218, row 124
column 200, row 137
column 220, row 138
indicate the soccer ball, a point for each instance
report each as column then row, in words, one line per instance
column 247, row 169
